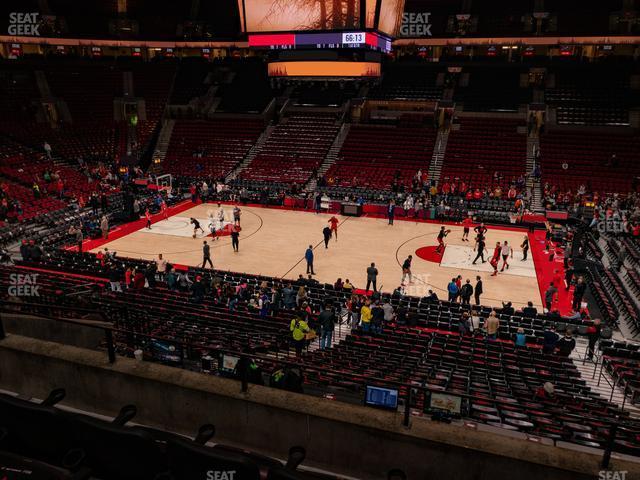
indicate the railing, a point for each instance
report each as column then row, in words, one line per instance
column 412, row 391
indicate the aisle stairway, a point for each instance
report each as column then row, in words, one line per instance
column 437, row 159
column 255, row 150
column 331, row 157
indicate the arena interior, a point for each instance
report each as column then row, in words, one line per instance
column 320, row 239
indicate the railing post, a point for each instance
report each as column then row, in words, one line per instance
column 2, row 334
column 244, row 374
column 407, row 408
column 608, row 449
column 111, row 350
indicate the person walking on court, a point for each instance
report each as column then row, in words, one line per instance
column 525, row 247
column 196, row 226
column 466, row 224
column 147, row 215
column 441, row 236
column 235, row 238
column 326, row 232
column 550, row 295
column 206, row 254
column 308, row 256
column 506, row 252
column 372, row 277
column 406, row 270
column 477, row 291
column 480, row 248
column 333, row 222
column 236, row 215
column 495, row 260
column 391, row 211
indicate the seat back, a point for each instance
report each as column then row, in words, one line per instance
column 33, row 430
column 114, row 451
column 187, row 461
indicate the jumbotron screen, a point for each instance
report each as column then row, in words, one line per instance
column 262, row 16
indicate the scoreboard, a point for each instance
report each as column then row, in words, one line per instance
column 321, row 40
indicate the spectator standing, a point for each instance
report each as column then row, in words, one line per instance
column 327, row 321
column 566, row 344
column 308, row 255
column 372, row 277
column 477, row 291
column 492, row 325
column 466, row 292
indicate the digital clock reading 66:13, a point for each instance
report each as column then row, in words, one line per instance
column 353, row 38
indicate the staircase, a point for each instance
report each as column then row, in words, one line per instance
column 625, row 324
column 590, row 372
column 330, row 158
column 253, row 153
column 437, row 159
column 533, row 185
column 42, row 84
column 164, row 138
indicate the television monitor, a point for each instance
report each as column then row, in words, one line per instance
column 227, row 364
column 444, row 402
column 381, row 397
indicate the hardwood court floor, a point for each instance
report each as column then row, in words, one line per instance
column 273, row 243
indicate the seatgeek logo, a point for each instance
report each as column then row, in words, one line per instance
column 221, row 475
column 416, row 25
column 612, row 475
column 23, row 285
column 24, row 24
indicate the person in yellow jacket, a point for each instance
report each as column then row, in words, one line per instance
column 365, row 315
column 299, row 330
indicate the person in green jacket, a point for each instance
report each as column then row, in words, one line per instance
column 299, row 330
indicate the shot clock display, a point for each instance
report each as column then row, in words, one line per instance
column 330, row 40
column 357, row 38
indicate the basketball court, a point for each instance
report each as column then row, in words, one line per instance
column 273, row 243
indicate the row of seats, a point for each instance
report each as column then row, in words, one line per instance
column 210, row 148
column 294, row 149
column 373, row 156
column 500, row 378
column 589, row 160
column 58, row 444
column 479, row 149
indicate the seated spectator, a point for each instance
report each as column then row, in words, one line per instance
column 550, row 339
column 507, row 308
column 521, row 338
column 566, row 344
column 546, row 391
column 530, row 310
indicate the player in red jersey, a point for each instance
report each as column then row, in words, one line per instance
column 467, row 223
column 495, row 259
column 147, row 215
column 163, row 209
column 333, row 223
